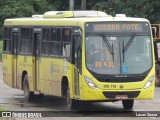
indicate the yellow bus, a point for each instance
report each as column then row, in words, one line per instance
column 83, row 56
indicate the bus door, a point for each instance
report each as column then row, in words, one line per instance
column 77, row 54
column 37, row 36
column 15, row 41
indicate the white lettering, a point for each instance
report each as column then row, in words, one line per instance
column 152, row 115
column 34, row 115
column 15, row 114
column 141, row 115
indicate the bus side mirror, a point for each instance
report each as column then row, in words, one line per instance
column 154, row 31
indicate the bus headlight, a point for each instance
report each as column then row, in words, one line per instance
column 149, row 82
column 90, row 83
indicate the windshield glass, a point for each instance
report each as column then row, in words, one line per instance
column 121, row 54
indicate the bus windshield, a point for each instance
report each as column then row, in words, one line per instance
column 118, row 54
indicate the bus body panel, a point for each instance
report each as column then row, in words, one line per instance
column 93, row 94
column 50, row 75
column 51, row 72
column 25, row 64
column 7, row 67
column 97, row 95
column 116, row 85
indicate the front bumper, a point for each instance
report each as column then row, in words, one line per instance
column 136, row 94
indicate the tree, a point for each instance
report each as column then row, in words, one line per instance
column 22, row 8
column 14, row 8
column 25, row 8
column 134, row 8
column 83, row 4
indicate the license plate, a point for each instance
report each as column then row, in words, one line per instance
column 121, row 97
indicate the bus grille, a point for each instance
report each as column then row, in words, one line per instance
column 133, row 94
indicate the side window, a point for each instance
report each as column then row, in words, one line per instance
column 66, row 42
column 25, row 41
column 45, row 41
column 7, row 40
column 55, row 43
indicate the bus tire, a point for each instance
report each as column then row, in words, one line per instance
column 29, row 96
column 39, row 97
column 71, row 103
column 128, row 104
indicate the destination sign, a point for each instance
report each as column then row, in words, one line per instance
column 113, row 27
column 117, row 27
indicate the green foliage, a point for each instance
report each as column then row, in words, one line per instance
column 22, row 8
column 136, row 8
column 3, row 109
column 25, row 8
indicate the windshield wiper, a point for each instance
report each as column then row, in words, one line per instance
column 129, row 42
column 123, row 50
column 110, row 49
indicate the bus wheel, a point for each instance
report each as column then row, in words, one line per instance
column 128, row 104
column 39, row 97
column 27, row 94
column 71, row 103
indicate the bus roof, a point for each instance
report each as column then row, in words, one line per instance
column 65, row 18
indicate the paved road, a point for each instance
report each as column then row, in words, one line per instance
column 13, row 99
